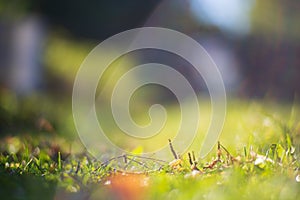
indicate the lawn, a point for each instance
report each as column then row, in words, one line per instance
column 257, row 157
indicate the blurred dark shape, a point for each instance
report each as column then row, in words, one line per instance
column 270, row 54
column 43, row 124
column 262, row 63
column 5, row 49
column 176, row 15
column 221, row 49
column 23, row 32
column 27, row 186
column 96, row 19
column 269, row 68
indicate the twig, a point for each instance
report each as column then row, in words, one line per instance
column 125, row 158
column 172, row 150
column 78, row 167
column 153, row 159
column 225, row 150
column 190, row 159
column 138, row 162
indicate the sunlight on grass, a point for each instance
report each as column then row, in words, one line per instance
column 261, row 137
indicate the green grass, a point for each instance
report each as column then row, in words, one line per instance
column 258, row 159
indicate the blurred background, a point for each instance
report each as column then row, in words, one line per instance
column 255, row 44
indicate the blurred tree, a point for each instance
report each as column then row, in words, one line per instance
column 270, row 54
column 94, row 18
column 276, row 18
column 97, row 19
column 24, row 21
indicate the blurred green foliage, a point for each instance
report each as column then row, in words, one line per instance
column 275, row 19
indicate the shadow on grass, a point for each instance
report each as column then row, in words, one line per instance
column 25, row 186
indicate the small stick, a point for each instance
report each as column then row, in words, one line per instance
column 78, row 167
column 190, row 159
column 133, row 160
column 172, row 150
column 110, row 160
column 245, row 152
column 219, row 151
column 125, row 158
column 153, row 159
column 225, row 149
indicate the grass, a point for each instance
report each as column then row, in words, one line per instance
column 258, row 157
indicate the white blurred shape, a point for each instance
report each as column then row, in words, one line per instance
column 27, row 44
column 229, row 15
